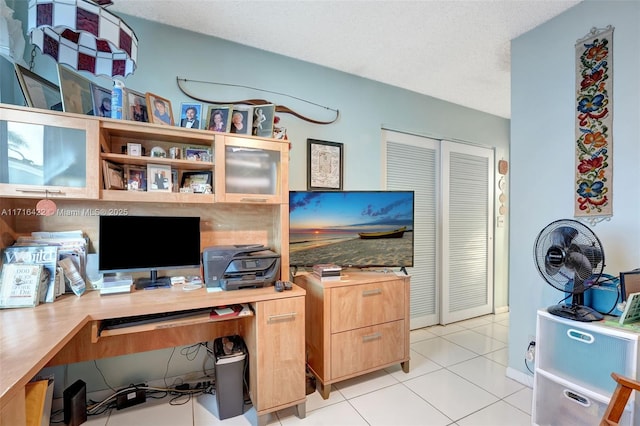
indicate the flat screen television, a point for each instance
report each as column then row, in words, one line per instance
column 148, row 243
column 356, row 229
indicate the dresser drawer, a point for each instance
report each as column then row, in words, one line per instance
column 369, row 347
column 363, row 305
column 584, row 355
column 556, row 404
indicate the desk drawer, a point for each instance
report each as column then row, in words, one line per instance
column 366, row 348
column 366, row 304
column 584, row 355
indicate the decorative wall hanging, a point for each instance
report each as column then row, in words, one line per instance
column 83, row 35
column 324, row 165
column 279, row 108
column 594, row 120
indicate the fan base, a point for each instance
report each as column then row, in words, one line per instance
column 576, row 312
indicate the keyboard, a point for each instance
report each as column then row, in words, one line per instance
column 114, row 323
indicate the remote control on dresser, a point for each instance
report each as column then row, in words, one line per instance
column 279, row 285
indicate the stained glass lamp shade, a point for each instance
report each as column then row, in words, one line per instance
column 83, row 35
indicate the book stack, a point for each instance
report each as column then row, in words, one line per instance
column 327, row 271
column 115, row 284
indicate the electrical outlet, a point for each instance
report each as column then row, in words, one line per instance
column 531, row 351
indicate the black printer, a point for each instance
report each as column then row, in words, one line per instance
column 240, row 266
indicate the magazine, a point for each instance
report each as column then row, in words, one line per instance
column 46, row 256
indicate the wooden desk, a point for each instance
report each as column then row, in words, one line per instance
column 66, row 332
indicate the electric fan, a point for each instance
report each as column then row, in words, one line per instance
column 569, row 257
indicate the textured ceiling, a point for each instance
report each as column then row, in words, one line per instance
column 454, row 50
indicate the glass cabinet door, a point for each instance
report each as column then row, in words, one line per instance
column 47, row 154
column 251, row 170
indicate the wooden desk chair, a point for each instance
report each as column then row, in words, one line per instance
column 619, row 399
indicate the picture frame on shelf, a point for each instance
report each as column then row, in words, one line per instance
column 160, row 110
column 197, row 154
column 324, row 165
column 190, row 115
column 240, row 120
column 134, row 149
column 136, row 178
column 263, row 116
column 76, row 92
column 101, row 101
column 135, row 106
column 175, row 187
column 113, row 175
column 159, row 178
column 38, row 92
column 197, row 181
column 218, row 118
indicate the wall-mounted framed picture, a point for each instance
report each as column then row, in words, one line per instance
column 135, row 104
column 101, row 101
column 324, row 165
column 197, row 181
column 190, row 115
column 263, row 120
column 38, row 92
column 159, row 178
column 241, row 120
column 161, row 112
column 218, row 118
column 76, row 92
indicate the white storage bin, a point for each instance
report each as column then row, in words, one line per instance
column 584, row 355
column 559, row 404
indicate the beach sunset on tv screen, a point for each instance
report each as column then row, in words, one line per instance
column 351, row 228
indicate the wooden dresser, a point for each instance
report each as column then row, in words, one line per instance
column 355, row 325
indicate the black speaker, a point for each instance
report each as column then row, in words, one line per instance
column 75, row 403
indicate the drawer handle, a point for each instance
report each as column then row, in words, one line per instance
column 370, row 337
column 253, row 200
column 579, row 399
column 290, row 315
column 580, row 336
column 373, row 292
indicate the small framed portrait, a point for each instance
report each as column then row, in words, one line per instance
column 263, row 120
column 199, row 182
column 324, row 165
column 241, row 119
column 134, row 149
column 101, row 101
column 135, row 104
column 38, row 92
column 218, row 118
column 136, row 178
column 190, row 115
column 161, row 112
column 197, row 154
column 113, row 175
column 159, row 178
column 76, row 92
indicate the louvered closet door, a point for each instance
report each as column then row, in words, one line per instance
column 467, row 231
column 412, row 164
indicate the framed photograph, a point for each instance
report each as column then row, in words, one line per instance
column 174, row 180
column 101, row 101
column 197, row 154
column 38, row 92
column 136, row 178
column 197, row 181
column 263, row 120
column 324, row 165
column 159, row 178
column 241, row 119
column 161, row 112
column 113, row 175
column 134, row 149
column 76, row 92
column 190, row 115
column 218, row 118
column 135, row 105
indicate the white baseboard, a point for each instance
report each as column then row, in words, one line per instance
column 520, row 377
column 501, row 310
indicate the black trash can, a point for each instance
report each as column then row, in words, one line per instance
column 230, row 353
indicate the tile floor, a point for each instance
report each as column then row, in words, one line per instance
column 457, row 377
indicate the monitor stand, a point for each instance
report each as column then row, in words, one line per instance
column 153, row 282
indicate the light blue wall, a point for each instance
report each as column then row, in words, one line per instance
column 542, row 151
column 365, row 107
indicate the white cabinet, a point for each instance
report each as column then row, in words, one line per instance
column 574, row 362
